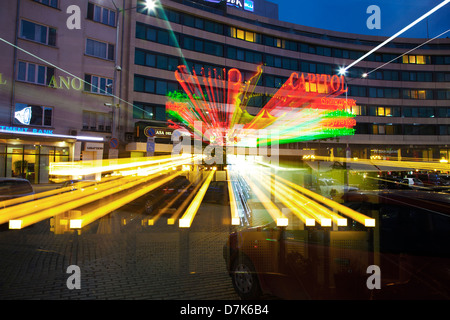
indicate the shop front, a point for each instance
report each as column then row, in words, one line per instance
column 28, row 153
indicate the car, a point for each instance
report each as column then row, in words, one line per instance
column 412, row 182
column 330, row 187
column 11, row 188
column 178, row 189
column 409, row 245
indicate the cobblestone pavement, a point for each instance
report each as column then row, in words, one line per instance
column 119, row 259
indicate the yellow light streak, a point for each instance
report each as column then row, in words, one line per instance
column 235, row 220
column 81, row 168
column 95, row 214
column 169, row 205
column 188, row 216
column 297, row 202
column 361, row 218
column 76, row 198
column 27, row 208
column 273, row 210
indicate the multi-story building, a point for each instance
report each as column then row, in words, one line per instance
column 57, row 84
column 402, row 109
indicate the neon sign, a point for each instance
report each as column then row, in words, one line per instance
column 241, row 4
column 306, row 107
column 66, row 82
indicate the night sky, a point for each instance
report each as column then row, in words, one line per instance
column 350, row 16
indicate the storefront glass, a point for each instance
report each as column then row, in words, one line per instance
column 30, row 162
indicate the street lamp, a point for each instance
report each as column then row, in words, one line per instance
column 149, row 5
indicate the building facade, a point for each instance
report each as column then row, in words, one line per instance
column 402, row 108
column 111, row 78
column 57, row 84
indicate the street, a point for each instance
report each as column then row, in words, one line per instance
column 120, row 258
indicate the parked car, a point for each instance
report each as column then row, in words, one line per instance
column 409, row 244
column 412, row 182
column 331, row 187
column 14, row 187
column 162, row 196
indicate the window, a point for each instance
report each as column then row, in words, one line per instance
column 99, row 85
column 37, row 32
column 143, row 111
column 149, row 85
column 102, row 15
column 243, row 34
column 50, row 3
column 99, row 49
column 25, row 114
column 34, row 73
column 97, row 121
column 413, row 59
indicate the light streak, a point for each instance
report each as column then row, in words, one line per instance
column 32, row 212
column 443, row 3
column 187, row 218
column 95, row 214
column 235, row 220
column 271, row 208
column 361, row 218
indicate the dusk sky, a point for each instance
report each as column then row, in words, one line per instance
column 350, row 16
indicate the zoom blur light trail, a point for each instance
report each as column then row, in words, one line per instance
column 31, row 207
column 321, row 214
column 305, row 208
column 81, row 168
column 169, row 205
column 271, row 208
column 235, row 220
column 32, row 212
column 96, row 214
column 361, row 218
column 187, row 218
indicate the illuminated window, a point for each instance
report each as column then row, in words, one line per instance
column 381, row 111
column 421, row 94
column 420, row 60
column 280, row 43
column 356, row 110
column 388, row 112
column 415, row 59
column 240, row 34
column 250, row 36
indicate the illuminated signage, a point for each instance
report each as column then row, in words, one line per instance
column 27, row 130
column 44, row 132
column 241, row 4
column 304, row 108
column 67, row 83
column 23, row 116
column 248, row 5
